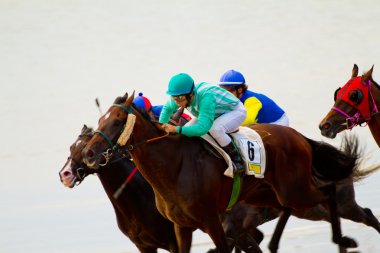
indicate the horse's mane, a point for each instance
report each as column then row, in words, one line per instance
column 374, row 82
column 143, row 112
column 120, row 100
column 88, row 131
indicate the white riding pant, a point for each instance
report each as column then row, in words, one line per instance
column 226, row 123
column 283, row 121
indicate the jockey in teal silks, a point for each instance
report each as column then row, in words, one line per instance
column 216, row 111
column 260, row 108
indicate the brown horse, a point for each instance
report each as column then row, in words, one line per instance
column 189, row 184
column 356, row 103
column 239, row 221
column 136, row 213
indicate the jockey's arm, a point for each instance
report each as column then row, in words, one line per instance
column 205, row 118
column 167, row 111
column 253, row 106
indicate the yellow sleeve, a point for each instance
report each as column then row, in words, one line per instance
column 253, row 106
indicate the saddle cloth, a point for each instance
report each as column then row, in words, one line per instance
column 251, row 149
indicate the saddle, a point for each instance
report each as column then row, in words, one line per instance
column 251, row 148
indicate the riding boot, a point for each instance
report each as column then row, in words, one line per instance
column 235, row 157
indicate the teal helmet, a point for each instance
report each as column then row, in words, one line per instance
column 180, row 84
column 232, row 78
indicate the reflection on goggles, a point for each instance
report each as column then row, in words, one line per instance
column 179, row 98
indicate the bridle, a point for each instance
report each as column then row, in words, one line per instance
column 357, row 118
column 109, row 153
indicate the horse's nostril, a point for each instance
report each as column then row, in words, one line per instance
column 66, row 173
column 324, row 126
column 90, row 153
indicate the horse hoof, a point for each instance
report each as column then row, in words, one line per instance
column 348, row 242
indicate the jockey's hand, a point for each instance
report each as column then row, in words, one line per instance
column 169, row 128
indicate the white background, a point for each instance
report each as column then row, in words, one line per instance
column 57, row 56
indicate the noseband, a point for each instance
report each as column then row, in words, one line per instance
column 110, row 151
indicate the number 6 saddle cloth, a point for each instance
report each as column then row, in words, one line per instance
column 251, row 148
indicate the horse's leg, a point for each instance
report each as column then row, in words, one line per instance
column 349, row 209
column 237, row 250
column 275, row 240
column 215, row 230
column 361, row 215
column 370, row 219
column 147, row 249
column 184, row 237
column 173, row 247
column 344, row 242
column 247, row 243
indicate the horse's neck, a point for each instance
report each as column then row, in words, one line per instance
column 134, row 195
column 374, row 124
column 158, row 158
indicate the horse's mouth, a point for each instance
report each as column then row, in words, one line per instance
column 329, row 134
column 331, row 130
column 69, row 182
column 93, row 164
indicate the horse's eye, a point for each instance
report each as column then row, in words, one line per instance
column 117, row 123
column 356, row 96
column 336, row 93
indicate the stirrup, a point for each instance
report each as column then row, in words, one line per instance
column 238, row 170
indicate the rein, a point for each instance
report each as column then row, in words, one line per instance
column 358, row 118
column 123, row 136
column 133, row 146
column 108, row 154
column 121, row 188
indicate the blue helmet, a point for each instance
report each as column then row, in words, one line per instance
column 142, row 102
column 180, row 84
column 232, row 78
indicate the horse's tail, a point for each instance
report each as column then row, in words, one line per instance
column 360, row 174
column 331, row 163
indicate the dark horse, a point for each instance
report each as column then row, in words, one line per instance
column 136, row 213
column 189, row 184
column 356, row 103
column 150, row 230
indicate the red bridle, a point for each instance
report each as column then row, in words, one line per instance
column 362, row 108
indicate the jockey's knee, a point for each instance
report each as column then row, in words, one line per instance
column 220, row 136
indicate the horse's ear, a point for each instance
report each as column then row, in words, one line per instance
column 84, row 128
column 367, row 76
column 355, row 71
column 177, row 115
column 125, row 96
column 130, row 99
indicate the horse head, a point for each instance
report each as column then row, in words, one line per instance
column 74, row 171
column 114, row 131
column 354, row 104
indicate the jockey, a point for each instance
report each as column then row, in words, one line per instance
column 154, row 111
column 260, row 108
column 144, row 103
column 216, row 111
